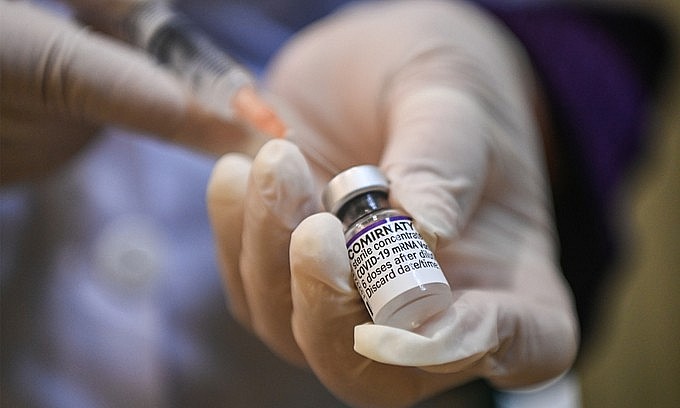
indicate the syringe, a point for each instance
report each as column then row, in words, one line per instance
column 218, row 81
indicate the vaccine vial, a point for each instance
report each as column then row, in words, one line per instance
column 395, row 272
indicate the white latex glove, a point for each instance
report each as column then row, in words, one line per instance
column 439, row 96
column 60, row 82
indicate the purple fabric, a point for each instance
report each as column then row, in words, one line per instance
column 598, row 72
column 593, row 86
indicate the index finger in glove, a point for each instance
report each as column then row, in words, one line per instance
column 281, row 192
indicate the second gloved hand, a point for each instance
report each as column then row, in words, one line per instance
column 62, row 81
column 439, row 96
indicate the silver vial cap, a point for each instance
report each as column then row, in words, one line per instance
column 352, row 183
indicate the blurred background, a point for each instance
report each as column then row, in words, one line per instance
column 635, row 358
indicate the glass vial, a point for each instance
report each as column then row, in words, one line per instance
column 398, row 278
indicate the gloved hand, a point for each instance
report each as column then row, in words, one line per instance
column 439, row 96
column 60, row 82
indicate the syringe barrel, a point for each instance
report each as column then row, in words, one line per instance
column 176, row 43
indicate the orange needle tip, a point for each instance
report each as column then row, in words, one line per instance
column 250, row 107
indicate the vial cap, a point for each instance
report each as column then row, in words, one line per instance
column 352, row 183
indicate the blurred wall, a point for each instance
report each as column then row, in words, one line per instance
column 635, row 361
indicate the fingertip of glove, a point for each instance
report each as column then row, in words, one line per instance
column 391, row 345
column 318, row 248
column 228, row 178
column 319, row 234
column 282, row 179
column 437, row 353
column 439, row 224
column 277, row 152
column 232, row 163
column 278, row 162
column 431, row 198
column 438, row 233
